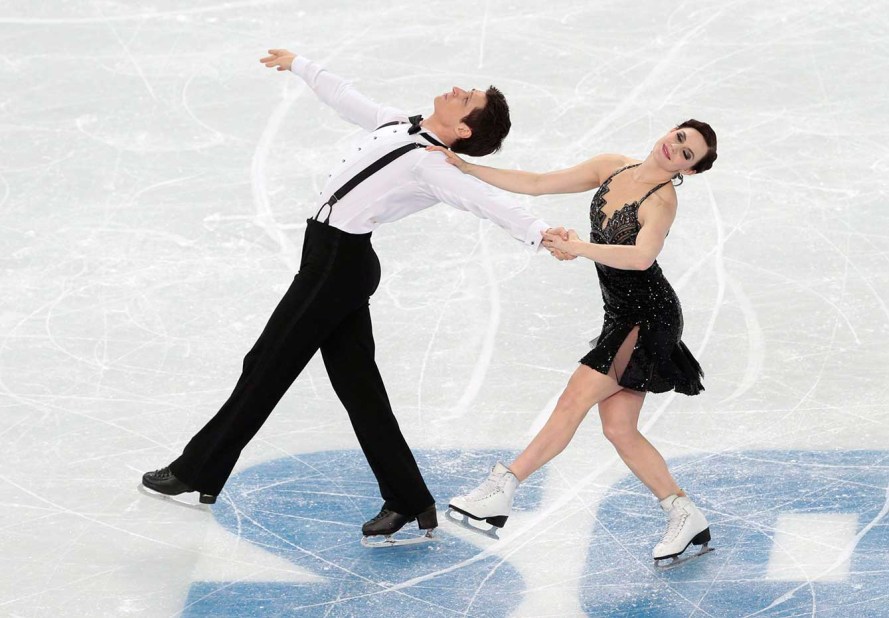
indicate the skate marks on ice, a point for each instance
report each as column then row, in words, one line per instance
column 798, row 533
column 767, row 511
column 308, row 509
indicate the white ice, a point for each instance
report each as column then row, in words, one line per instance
column 154, row 184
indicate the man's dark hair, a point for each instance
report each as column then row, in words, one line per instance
column 490, row 125
column 709, row 136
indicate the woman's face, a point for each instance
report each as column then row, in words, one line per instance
column 679, row 150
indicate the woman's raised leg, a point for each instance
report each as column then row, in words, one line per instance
column 492, row 500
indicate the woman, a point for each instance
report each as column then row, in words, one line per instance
column 639, row 349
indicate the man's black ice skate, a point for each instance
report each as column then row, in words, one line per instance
column 163, row 482
column 386, row 523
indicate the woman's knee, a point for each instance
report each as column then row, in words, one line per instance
column 571, row 404
column 621, row 435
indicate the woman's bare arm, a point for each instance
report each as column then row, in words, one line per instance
column 639, row 256
column 582, row 177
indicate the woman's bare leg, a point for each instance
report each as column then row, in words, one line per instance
column 620, row 418
column 586, row 388
column 620, row 422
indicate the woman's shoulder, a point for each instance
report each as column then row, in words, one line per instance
column 619, row 161
column 664, row 197
column 608, row 164
column 663, row 203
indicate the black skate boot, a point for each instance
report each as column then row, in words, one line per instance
column 386, row 523
column 163, row 481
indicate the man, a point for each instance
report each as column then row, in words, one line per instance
column 326, row 307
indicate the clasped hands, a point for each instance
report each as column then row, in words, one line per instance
column 557, row 239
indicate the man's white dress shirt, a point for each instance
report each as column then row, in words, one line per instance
column 409, row 184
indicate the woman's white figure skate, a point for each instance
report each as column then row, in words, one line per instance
column 686, row 526
column 490, row 502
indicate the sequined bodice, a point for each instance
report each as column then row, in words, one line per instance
column 631, row 294
column 623, row 226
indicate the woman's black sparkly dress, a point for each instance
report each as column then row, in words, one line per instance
column 660, row 361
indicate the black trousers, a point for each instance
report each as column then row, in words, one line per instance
column 325, row 308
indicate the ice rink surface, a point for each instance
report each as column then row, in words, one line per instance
column 155, row 180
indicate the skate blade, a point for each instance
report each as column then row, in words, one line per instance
column 463, row 521
column 392, row 541
column 174, row 499
column 665, row 564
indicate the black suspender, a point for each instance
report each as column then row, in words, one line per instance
column 373, row 168
column 388, row 124
column 367, row 172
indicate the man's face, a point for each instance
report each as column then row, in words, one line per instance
column 451, row 107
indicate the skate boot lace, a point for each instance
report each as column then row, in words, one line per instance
column 489, row 487
column 381, row 515
column 163, row 473
column 674, row 526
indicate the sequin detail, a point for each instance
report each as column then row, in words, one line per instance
column 660, row 361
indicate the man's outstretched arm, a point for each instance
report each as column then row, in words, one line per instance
column 335, row 91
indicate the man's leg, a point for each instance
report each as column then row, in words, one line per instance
column 291, row 337
column 348, row 354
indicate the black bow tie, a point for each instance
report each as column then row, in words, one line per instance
column 415, row 124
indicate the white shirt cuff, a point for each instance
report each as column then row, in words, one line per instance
column 535, row 234
column 299, row 65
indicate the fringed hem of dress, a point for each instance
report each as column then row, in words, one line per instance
column 652, row 367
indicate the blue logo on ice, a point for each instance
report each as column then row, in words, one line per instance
column 743, row 495
column 309, row 510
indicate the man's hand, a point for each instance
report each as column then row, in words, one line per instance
column 280, row 58
column 561, row 255
column 560, row 232
column 557, row 231
column 558, row 241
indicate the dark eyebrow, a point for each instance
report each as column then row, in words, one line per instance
column 684, row 141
